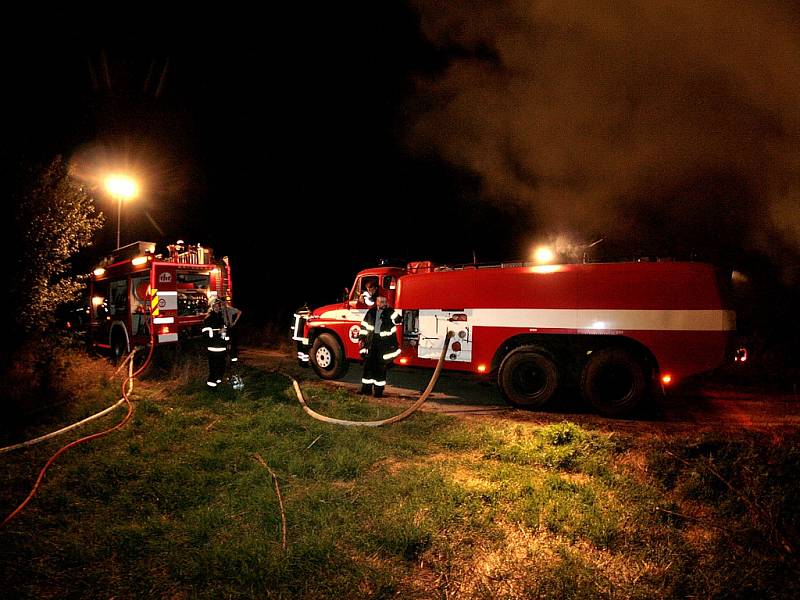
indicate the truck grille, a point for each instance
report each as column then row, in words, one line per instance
column 299, row 327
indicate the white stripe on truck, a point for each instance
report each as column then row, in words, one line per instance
column 605, row 319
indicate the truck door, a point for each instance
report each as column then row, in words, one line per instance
column 389, row 288
column 359, row 287
column 118, row 300
column 433, row 327
column 118, row 317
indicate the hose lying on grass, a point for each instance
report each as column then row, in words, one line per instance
column 52, row 434
column 403, row 415
column 127, row 382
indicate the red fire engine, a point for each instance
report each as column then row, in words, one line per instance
column 136, row 287
column 615, row 330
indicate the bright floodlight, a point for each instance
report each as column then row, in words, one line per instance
column 543, row 255
column 121, row 186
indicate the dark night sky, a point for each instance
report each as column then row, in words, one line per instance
column 277, row 151
column 307, row 143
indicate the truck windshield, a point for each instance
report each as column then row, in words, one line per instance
column 361, row 286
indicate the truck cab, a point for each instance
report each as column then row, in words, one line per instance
column 327, row 337
column 385, row 279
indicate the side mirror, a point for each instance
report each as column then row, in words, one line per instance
column 346, row 295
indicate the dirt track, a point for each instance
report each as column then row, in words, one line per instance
column 700, row 408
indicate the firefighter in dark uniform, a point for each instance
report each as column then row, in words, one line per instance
column 379, row 345
column 216, row 343
column 231, row 316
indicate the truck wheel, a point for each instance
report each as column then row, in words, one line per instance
column 528, row 377
column 119, row 347
column 327, row 357
column 614, row 382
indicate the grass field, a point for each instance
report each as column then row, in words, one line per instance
column 176, row 505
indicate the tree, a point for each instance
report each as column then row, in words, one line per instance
column 54, row 219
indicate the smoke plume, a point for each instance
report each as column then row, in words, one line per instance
column 672, row 125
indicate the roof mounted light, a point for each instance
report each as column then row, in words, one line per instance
column 98, row 271
column 139, row 260
column 546, row 269
column 543, row 255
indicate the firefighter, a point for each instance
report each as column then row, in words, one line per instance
column 216, row 343
column 378, row 345
column 368, row 295
column 231, row 316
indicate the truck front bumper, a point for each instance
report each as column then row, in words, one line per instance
column 298, row 329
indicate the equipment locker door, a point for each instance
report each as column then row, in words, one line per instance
column 433, row 327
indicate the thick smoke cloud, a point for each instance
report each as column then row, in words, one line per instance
column 670, row 125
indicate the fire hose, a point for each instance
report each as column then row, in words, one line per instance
column 126, row 382
column 128, row 361
column 395, row 419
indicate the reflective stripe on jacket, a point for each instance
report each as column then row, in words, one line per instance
column 214, row 328
column 384, row 341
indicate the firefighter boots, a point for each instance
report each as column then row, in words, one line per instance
column 366, row 389
column 377, row 391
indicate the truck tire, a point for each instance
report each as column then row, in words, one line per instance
column 614, row 382
column 327, row 357
column 528, row 377
column 119, row 346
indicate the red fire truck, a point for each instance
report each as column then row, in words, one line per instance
column 618, row 331
column 135, row 288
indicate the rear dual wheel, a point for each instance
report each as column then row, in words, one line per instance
column 528, row 377
column 614, row 382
